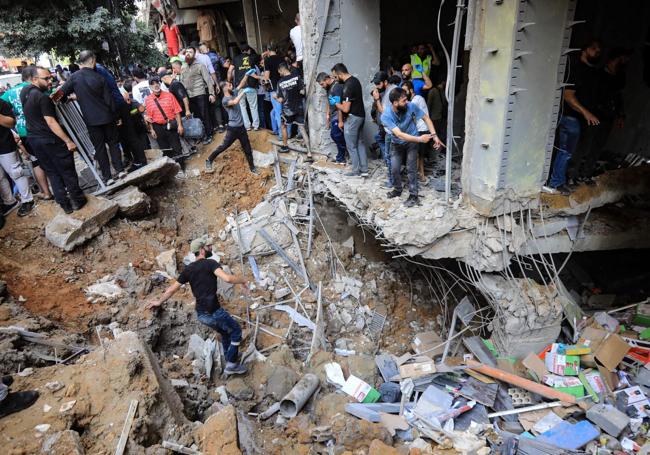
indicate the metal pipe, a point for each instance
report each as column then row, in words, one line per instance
column 293, row 402
column 451, row 89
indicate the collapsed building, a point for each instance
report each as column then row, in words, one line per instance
column 355, row 298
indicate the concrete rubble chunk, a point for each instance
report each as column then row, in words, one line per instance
column 133, row 203
column 167, row 262
column 218, row 435
column 69, row 231
column 105, row 290
column 148, row 176
column 608, row 418
column 63, row 443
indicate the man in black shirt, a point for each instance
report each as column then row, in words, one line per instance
column 202, row 275
column 354, row 114
column 271, row 62
column 334, row 118
column 51, row 145
column 291, row 92
column 177, row 89
column 99, row 112
column 245, row 64
column 579, row 101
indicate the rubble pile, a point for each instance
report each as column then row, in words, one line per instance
column 346, row 355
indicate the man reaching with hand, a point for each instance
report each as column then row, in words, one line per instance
column 401, row 121
column 202, row 275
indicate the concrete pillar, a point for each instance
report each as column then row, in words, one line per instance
column 350, row 32
column 250, row 21
column 514, row 95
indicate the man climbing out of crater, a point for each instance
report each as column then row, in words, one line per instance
column 202, row 276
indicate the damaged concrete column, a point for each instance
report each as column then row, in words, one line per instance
column 250, row 21
column 336, row 31
column 514, row 95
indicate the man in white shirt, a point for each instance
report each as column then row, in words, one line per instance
column 424, row 150
column 296, row 38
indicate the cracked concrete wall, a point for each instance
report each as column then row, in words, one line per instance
column 351, row 34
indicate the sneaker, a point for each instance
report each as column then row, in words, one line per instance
column 67, row 209
column 412, row 201
column 77, row 205
column 17, row 401
column 236, row 368
column 549, row 190
column 25, row 208
column 394, row 193
column 387, row 185
column 121, row 175
column 284, row 149
column 207, row 140
column 249, row 128
column 257, row 128
column 7, row 380
column 221, row 129
column 8, row 208
column 352, row 174
column 254, row 171
column 110, row 182
column 208, row 166
column 364, row 175
column 565, row 190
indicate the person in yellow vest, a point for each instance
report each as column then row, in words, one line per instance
column 421, row 62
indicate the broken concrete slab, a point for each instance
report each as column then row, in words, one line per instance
column 133, row 203
column 69, row 231
column 147, row 176
column 263, row 159
column 105, row 290
column 63, row 443
column 608, row 418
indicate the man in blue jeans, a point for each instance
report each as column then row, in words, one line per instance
column 202, row 275
column 334, row 117
column 580, row 99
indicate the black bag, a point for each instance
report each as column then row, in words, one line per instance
column 171, row 124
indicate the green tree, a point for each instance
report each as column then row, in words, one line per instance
column 65, row 27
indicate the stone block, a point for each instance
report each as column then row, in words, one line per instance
column 63, row 443
column 147, row 176
column 218, row 435
column 69, row 231
column 133, row 203
column 167, row 262
column 608, row 418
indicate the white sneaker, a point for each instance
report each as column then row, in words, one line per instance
column 549, row 190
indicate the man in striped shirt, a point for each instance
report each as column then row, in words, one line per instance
column 164, row 114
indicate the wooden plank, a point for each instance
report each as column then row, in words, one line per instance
column 126, row 429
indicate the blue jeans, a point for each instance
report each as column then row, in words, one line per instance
column 338, row 137
column 410, row 149
column 568, row 133
column 276, row 117
column 228, row 328
column 352, row 133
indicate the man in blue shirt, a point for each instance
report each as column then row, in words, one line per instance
column 401, row 121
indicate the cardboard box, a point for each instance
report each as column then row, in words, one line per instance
column 417, row 369
column 360, row 390
column 427, row 340
column 577, row 349
column 611, row 351
column 566, row 384
column 535, row 366
column 562, row 364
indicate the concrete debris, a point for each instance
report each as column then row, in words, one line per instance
column 63, row 443
column 106, row 290
column 54, row 386
column 205, row 354
column 155, row 172
column 132, row 202
column 167, row 262
column 218, row 435
column 69, row 231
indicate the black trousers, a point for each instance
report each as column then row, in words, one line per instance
column 131, row 140
column 58, row 163
column 200, row 107
column 168, row 139
column 219, row 117
column 590, row 148
column 100, row 136
column 234, row 133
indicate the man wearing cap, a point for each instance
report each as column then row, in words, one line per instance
column 164, row 114
column 382, row 104
column 202, row 276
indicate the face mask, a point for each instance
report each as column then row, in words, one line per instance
column 182, row 58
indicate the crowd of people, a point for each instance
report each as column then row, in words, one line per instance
column 592, row 107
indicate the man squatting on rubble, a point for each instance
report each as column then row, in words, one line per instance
column 235, row 130
column 401, row 121
column 202, row 275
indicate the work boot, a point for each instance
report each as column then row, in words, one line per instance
column 412, row 201
column 77, row 205
column 284, row 149
column 25, row 208
column 394, row 193
column 208, row 166
column 67, row 208
column 235, row 368
column 17, row 401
